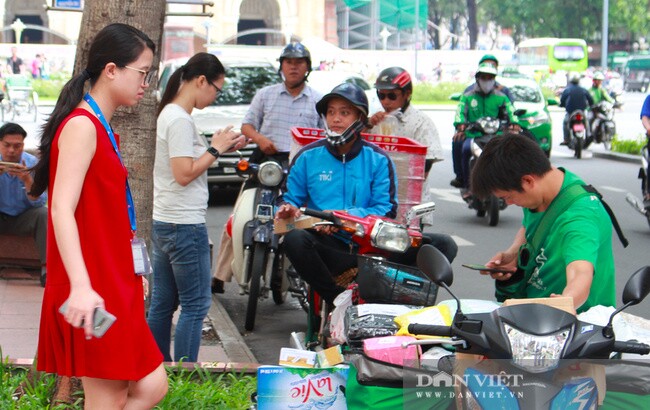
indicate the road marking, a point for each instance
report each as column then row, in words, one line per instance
column 612, row 189
column 462, row 242
column 447, row 194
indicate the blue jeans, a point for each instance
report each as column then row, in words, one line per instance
column 181, row 275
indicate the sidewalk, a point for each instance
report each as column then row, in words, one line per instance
column 20, row 309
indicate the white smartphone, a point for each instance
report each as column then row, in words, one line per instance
column 102, row 320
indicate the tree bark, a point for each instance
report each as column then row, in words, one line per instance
column 472, row 24
column 135, row 125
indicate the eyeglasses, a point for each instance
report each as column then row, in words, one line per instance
column 148, row 75
column 219, row 90
column 391, row 95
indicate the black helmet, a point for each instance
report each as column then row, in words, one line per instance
column 348, row 91
column 296, row 50
column 355, row 96
column 393, row 78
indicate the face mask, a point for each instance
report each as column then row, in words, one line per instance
column 486, row 85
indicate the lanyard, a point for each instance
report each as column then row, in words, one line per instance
column 111, row 136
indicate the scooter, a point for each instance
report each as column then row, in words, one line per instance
column 603, row 127
column 489, row 128
column 641, row 206
column 577, row 132
column 259, row 266
column 529, row 343
column 372, row 235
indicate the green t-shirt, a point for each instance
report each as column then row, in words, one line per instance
column 582, row 232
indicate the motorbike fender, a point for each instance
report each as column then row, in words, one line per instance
column 242, row 214
column 263, row 233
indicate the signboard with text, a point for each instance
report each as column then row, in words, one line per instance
column 69, row 4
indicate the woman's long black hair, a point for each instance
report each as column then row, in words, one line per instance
column 116, row 43
column 199, row 64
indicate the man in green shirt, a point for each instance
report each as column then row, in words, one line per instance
column 574, row 257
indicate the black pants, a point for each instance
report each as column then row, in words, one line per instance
column 318, row 258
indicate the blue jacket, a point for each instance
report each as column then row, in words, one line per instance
column 362, row 182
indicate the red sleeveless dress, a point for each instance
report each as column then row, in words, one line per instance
column 128, row 350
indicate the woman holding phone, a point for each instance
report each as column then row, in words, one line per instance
column 91, row 230
column 181, row 248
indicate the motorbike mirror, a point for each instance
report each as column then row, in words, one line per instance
column 455, row 96
column 637, row 287
column 520, row 112
column 435, row 265
column 552, row 101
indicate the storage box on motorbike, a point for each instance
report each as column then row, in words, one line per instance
column 407, row 155
column 381, row 281
column 297, row 387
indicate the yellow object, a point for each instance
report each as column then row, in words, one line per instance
column 432, row 315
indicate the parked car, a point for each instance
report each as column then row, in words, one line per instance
column 324, row 81
column 243, row 79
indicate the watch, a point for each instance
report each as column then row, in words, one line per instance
column 213, row 151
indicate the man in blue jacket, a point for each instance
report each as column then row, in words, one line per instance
column 339, row 172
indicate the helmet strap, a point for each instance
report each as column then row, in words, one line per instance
column 336, row 139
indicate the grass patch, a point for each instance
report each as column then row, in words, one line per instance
column 426, row 93
column 629, row 146
column 188, row 389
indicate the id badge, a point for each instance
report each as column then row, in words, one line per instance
column 141, row 261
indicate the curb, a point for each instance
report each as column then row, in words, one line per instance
column 616, row 156
column 231, row 340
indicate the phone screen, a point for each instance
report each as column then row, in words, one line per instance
column 475, row 266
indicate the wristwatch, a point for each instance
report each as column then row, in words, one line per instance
column 213, row 151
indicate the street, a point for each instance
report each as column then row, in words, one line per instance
column 477, row 241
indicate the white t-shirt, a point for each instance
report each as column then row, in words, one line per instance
column 177, row 136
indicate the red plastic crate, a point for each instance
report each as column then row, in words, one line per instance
column 407, row 155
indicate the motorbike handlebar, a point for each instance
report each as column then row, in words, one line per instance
column 328, row 216
column 429, row 330
column 631, row 347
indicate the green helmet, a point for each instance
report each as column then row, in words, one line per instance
column 486, row 68
column 488, row 57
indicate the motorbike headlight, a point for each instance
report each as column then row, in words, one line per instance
column 489, row 125
column 533, row 353
column 270, row 173
column 391, row 237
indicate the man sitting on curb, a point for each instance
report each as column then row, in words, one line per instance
column 20, row 213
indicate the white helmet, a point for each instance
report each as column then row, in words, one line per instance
column 599, row 76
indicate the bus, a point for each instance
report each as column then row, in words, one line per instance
column 550, row 58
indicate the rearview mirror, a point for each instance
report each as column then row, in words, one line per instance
column 435, row 265
column 636, row 288
column 552, row 101
column 455, row 96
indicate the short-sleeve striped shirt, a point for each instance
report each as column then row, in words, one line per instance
column 274, row 111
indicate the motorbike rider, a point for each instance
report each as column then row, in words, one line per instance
column 457, row 145
column 645, row 120
column 598, row 94
column 574, row 97
column 575, row 257
column 272, row 113
column 483, row 100
column 342, row 172
column 394, row 89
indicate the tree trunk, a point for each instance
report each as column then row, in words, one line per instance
column 472, row 24
column 135, row 125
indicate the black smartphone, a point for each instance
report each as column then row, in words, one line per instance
column 475, row 266
column 102, row 320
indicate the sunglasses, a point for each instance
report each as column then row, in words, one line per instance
column 391, row 95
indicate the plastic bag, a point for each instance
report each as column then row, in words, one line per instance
column 432, row 315
column 337, row 320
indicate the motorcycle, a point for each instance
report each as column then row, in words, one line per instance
column 577, row 132
column 531, row 342
column 259, row 266
column 641, row 206
column 602, row 125
column 372, row 235
column 489, row 128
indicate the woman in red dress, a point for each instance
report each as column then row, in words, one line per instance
column 90, row 229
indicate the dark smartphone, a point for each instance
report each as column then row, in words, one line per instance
column 102, row 320
column 475, row 266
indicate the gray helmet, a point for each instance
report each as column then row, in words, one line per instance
column 296, row 50
column 355, row 96
column 574, row 77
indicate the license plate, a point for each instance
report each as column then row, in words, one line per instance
column 228, row 170
column 578, row 127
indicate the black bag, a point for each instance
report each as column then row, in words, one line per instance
column 381, row 281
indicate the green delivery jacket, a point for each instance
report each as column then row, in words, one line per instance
column 474, row 105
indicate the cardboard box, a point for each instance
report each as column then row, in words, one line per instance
column 282, row 226
column 561, row 302
column 297, row 357
column 293, row 388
